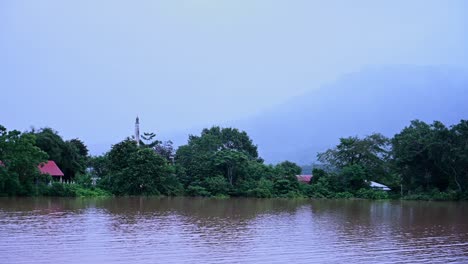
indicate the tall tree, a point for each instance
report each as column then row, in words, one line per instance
column 416, row 157
column 19, row 160
column 371, row 153
column 70, row 156
column 217, row 151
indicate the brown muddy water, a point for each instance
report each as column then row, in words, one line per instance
column 195, row 230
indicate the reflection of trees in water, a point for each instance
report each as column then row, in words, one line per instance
column 409, row 228
column 44, row 205
column 167, row 223
column 50, row 217
column 355, row 221
column 202, row 215
column 368, row 218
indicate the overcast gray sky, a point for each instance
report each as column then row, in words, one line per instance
column 87, row 68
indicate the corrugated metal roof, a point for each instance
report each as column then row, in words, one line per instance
column 377, row 185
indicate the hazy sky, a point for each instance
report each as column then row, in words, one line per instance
column 87, row 68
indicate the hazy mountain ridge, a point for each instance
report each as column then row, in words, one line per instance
column 381, row 100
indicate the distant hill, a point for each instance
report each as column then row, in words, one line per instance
column 382, row 100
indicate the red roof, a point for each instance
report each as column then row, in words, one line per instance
column 50, row 168
column 304, row 178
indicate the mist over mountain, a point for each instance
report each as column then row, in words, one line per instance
column 375, row 99
column 383, row 99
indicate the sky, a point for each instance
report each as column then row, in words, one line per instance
column 87, row 68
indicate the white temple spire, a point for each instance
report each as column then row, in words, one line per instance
column 137, row 131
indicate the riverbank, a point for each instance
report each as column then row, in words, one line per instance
column 76, row 190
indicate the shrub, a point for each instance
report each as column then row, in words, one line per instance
column 216, row 185
column 74, row 190
column 196, row 190
column 61, row 190
column 371, row 194
column 84, row 180
column 343, row 195
column 320, row 189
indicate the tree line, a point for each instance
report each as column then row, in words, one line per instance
column 423, row 161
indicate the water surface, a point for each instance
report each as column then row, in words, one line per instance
column 196, row 230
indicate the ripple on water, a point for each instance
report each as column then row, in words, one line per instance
column 185, row 230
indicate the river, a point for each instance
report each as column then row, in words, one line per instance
column 196, row 230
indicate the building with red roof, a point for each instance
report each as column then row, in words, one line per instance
column 51, row 168
column 304, row 178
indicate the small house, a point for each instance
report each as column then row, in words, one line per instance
column 304, row 178
column 51, row 168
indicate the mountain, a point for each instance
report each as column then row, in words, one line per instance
column 383, row 99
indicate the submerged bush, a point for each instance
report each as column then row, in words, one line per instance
column 434, row 195
column 371, row 194
column 343, row 195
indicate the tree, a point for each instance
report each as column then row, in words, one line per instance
column 353, row 178
column 165, row 149
column 71, row 156
column 457, row 160
column 371, row 153
column 431, row 156
column 129, row 170
column 287, row 168
column 413, row 152
column 217, row 151
column 231, row 162
column 19, row 160
column 120, row 153
column 143, row 172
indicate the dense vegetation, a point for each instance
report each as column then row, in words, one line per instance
column 423, row 161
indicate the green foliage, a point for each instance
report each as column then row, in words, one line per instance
column 231, row 162
column 435, row 195
column 287, row 168
column 321, row 189
column 264, row 188
column 62, row 190
column 284, row 187
column 216, row 185
column 120, row 155
column 317, row 175
column 432, row 156
column 217, row 151
column 144, row 173
column 100, row 166
column 20, row 158
column 343, row 195
column 84, row 180
column 71, row 156
column 428, row 160
column 196, row 190
column 371, row 153
column 367, row 193
column 73, row 190
column 353, row 177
